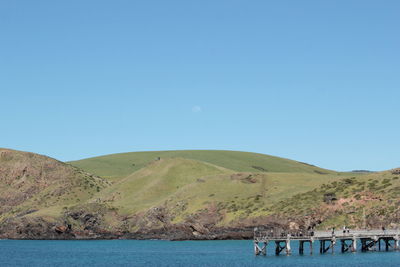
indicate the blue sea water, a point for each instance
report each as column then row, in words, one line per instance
column 170, row 253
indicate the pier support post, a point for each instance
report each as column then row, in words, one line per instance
column 260, row 250
column 387, row 243
column 279, row 247
column 368, row 244
column 256, row 249
column 264, row 249
column 396, row 242
column 301, row 247
column 348, row 247
column 363, row 244
column 323, row 249
column 376, row 239
column 354, row 244
column 288, row 248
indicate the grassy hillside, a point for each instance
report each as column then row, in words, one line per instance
column 116, row 166
column 222, row 186
column 368, row 201
column 185, row 194
column 182, row 188
column 36, row 185
column 154, row 184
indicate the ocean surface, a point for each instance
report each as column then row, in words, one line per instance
column 174, row 253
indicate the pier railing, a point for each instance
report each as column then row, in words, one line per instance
column 357, row 233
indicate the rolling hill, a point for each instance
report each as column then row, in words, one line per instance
column 184, row 195
column 219, row 188
column 116, row 166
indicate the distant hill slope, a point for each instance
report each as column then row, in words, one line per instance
column 116, row 166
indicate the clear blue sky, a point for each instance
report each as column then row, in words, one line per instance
column 315, row 81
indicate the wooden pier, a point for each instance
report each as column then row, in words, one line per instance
column 370, row 240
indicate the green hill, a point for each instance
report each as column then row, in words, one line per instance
column 222, row 188
column 116, row 166
column 184, row 195
column 183, row 187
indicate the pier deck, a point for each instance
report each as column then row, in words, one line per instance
column 370, row 240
